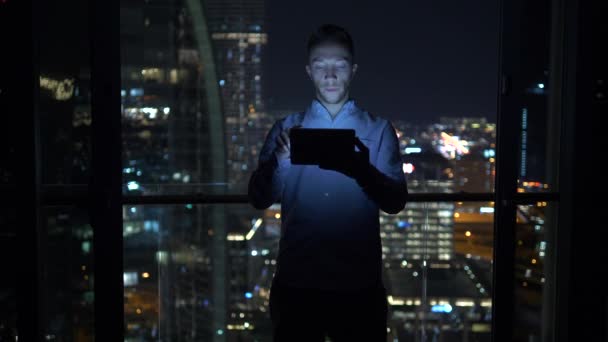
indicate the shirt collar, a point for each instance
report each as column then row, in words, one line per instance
column 317, row 109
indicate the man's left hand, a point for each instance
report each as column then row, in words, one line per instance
column 356, row 166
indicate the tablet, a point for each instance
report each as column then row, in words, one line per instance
column 315, row 146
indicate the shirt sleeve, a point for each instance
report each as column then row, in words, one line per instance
column 267, row 181
column 389, row 158
column 386, row 183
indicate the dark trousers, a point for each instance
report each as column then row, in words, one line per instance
column 308, row 315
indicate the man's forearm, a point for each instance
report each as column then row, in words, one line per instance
column 389, row 194
column 266, row 183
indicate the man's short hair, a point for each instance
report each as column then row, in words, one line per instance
column 329, row 33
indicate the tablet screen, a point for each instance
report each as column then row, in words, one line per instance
column 315, row 146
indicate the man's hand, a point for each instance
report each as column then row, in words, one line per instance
column 357, row 166
column 283, row 148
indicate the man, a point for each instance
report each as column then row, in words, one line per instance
column 328, row 279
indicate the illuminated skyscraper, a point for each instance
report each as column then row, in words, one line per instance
column 173, row 142
column 422, row 231
column 239, row 39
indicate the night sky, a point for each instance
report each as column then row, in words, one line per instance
column 418, row 60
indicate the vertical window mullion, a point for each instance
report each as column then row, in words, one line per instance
column 21, row 91
column 509, row 112
column 106, row 170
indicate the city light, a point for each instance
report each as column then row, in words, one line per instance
column 410, row 150
column 467, row 234
column 446, row 308
column 395, row 301
column 145, row 275
column 403, row 224
column 465, row 303
column 235, row 237
column 61, row 89
column 129, row 279
column 249, row 38
column 452, row 146
column 150, row 111
column 136, row 92
column 408, row 168
column 254, row 228
column 132, row 186
column 489, row 153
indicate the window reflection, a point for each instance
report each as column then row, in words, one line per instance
column 69, row 286
column 64, row 106
column 533, row 269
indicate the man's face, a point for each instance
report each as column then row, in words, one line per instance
column 331, row 70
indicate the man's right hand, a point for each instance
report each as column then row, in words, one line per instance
column 283, row 145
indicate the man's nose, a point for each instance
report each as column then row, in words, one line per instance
column 330, row 73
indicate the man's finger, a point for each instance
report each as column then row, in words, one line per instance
column 290, row 128
column 361, row 145
column 285, row 140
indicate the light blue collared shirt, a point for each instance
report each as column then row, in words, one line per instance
column 330, row 235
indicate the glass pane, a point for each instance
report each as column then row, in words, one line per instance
column 193, row 113
column 452, row 155
column 205, row 270
column 198, row 272
column 438, row 87
column 195, row 77
column 68, row 260
column 8, row 285
column 534, row 263
column 438, row 267
column 64, row 106
column 539, row 139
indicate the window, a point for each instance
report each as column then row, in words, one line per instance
column 199, row 86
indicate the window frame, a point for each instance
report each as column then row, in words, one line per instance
column 104, row 198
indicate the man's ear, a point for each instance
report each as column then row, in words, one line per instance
column 355, row 67
column 308, row 71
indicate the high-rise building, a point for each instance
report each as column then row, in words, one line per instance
column 173, row 143
column 239, row 39
column 422, row 231
column 420, row 250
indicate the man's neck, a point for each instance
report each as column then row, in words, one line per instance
column 333, row 108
